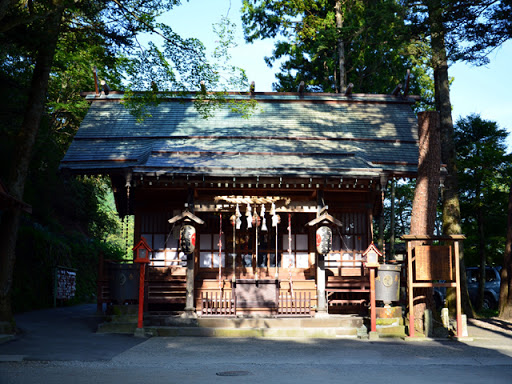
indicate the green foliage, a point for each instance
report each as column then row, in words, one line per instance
column 377, row 47
column 182, row 66
column 40, row 250
column 485, row 175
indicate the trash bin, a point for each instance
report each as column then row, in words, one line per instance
column 387, row 283
column 124, row 282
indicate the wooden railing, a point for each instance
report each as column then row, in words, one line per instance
column 347, row 291
column 296, row 304
column 218, row 304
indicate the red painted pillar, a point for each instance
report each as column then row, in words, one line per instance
column 142, row 273
column 373, row 309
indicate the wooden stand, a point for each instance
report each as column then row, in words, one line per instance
column 431, row 263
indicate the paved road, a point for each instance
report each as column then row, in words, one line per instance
column 67, row 351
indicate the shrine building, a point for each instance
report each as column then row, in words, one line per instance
column 253, row 193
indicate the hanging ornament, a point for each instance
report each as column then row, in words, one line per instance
column 255, row 219
column 264, row 224
column 263, row 220
column 238, row 215
column 275, row 217
column 273, row 209
column 248, row 213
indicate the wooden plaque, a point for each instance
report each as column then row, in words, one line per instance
column 256, row 293
column 433, row 262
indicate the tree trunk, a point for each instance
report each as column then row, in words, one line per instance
column 451, row 205
column 506, row 272
column 19, row 168
column 340, row 48
column 424, row 205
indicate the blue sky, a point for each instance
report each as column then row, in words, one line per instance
column 483, row 90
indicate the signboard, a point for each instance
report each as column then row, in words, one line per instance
column 256, row 293
column 433, row 262
column 66, row 284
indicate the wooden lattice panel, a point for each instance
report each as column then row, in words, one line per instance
column 433, row 262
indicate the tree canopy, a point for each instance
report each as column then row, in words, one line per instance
column 47, row 51
column 370, row 38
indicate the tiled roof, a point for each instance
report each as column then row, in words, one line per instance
column 286, row 136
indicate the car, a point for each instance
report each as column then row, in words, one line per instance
column 492, row 286
column 439, row 297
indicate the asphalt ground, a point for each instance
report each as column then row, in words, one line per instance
column 60, row 346
column 64, row 334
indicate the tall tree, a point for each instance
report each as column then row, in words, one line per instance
column 424, row 206
column 329, row 44
column 448, row 24
column 31, row 32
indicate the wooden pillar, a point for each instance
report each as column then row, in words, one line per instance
column 320, row 283
column 321, row 302
column 457, row 292
column 392, row 222
column 383, row 183
column 190, row 302
column 190, row 308
column 410, row 289
column 373, row 309
column 142, row 273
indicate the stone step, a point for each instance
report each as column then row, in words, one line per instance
column 341, row 326
column 339, row 321
column 325, row 332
